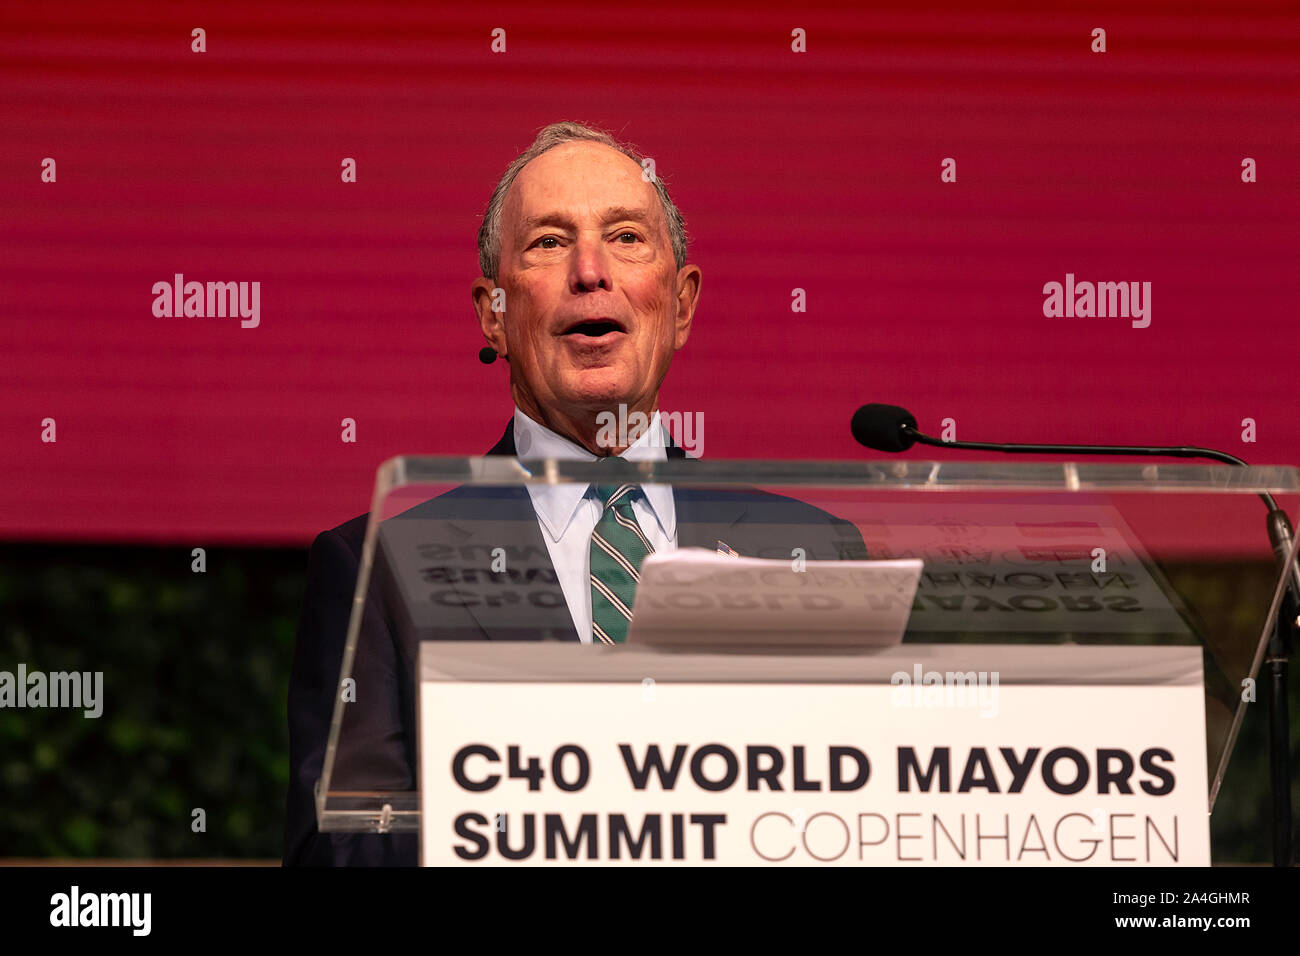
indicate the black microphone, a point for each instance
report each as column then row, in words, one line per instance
column 892, row 428
column 487, row 355
column 884, row 427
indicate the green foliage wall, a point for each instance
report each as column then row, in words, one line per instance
column 195, row 677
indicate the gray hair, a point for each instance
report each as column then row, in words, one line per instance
column 557, row 134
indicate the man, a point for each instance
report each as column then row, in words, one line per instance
column 589, row 259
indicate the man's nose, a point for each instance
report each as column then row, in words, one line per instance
column 589, row 267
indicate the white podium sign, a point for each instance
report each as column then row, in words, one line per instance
column 954, row 755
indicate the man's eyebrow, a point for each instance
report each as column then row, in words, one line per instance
column 620, row 213
column 549, row 219
column 564, row 220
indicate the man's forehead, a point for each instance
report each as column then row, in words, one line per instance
column 581, row 179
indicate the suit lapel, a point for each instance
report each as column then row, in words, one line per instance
column 706, row 518
column 506, row 444
column 526, row 600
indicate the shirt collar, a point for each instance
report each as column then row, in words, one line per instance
column 557, row 504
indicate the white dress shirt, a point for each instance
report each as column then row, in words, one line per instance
column 568, row 512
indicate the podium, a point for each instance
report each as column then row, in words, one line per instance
column 1078, row 659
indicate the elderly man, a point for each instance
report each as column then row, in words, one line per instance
column 592, row 262
column 588, row 256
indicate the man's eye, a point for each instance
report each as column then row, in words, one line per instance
column 545, row 239
column 633, row 235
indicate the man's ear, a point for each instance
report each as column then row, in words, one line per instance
column 491, row 323
column 688, row 296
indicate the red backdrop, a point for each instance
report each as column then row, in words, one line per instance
column 818, row 171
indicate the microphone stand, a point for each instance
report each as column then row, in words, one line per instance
column 1278, row 654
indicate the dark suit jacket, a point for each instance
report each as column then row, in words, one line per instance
column 459, row 598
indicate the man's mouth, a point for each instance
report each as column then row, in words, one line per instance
column 593, row 328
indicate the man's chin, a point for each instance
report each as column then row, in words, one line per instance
column 597, row 390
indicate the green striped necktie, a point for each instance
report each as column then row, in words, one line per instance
column 618, row 547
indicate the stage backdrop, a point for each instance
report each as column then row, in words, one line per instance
column 805, row 144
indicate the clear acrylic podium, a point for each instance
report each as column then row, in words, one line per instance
column 1014, row 553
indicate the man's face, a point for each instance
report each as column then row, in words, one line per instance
column 594, row 303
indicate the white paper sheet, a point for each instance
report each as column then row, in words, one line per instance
column 696, row 596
